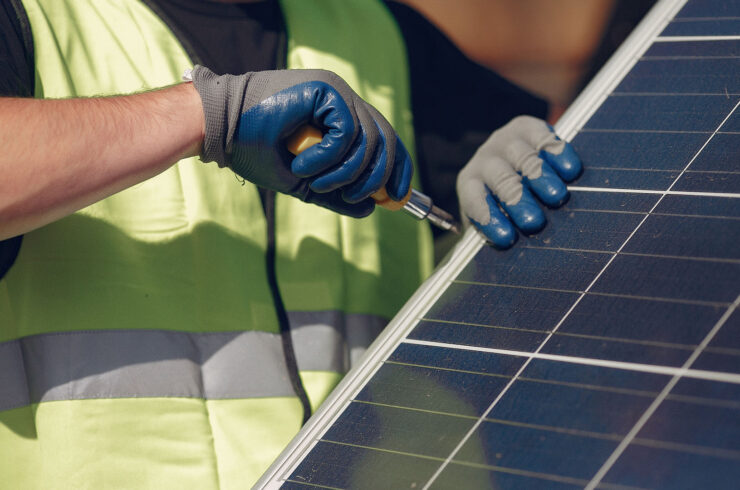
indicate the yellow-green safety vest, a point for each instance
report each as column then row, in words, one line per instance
column 139, row 345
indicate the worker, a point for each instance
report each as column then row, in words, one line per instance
column 170, row 322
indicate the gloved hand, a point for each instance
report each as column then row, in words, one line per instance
column 249, row 117
column 523, row 157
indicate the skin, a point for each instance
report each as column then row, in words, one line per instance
column 62, row 155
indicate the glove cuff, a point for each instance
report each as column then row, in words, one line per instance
column 222, row 98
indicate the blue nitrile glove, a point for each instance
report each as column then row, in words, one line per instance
column 249, row 117
column 523, row 158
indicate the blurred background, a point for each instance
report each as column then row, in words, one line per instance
column 551, row 47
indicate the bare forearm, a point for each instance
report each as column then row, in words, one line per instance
column 58, row 156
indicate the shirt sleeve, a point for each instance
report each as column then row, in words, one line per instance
column 456, row 104
column 16, row 51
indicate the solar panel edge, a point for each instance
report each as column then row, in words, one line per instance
column 624, row 58
column 572, row 120
column 381, row 348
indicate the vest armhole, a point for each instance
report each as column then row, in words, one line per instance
column 179, row 35
column 25, row 26
column 8, row 253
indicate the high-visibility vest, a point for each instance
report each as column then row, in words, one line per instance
column 139, row 345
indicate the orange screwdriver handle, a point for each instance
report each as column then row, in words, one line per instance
column 307, row 136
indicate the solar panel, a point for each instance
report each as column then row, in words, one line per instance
column 602, row 352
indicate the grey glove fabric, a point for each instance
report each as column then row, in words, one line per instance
column 522, row 157
column 249, row 117
column 222, row 98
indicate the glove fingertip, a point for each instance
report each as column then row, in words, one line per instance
column 527, row 214
column 549, row 187
column 498, row 234
column 499, row 231
column 567, row 163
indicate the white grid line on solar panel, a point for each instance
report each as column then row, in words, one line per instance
column 334, row 406
column 551, row 477
column 693, row 19
column 572, row 121
column 682, row 373
column 732, row 195
column 645, row 442
column 570, row 310
column 641, row 441
column 631, row 341
column 638, row 254
column 651, row 131
column 612, row 295
column 696, row 400
column 673, row 94
column 673, row 215
column 680, row 39
column 586, row 361
column 617, row 190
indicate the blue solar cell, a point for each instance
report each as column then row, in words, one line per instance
column 721, row 361
column 662, row 112
column 687, row 237
column 701, row 27
column 439, row 390
column 699, row 206
column 643, row 150
column 693, row 390
column 616, row 379
column 556, row 269
column 629, row 179
column 683, row 76
column 584, row 230
column 723, row 352
column 590, row 409
column 718, row 361
column 455, row 474
column 341, row 466
column 694, row 49
column 654, row 277
column 648, row 467
column 455, row 359
column 499, row 338
column 613, row 201
column 616, row 350
column 721, row 153
column 694, row 424
column 732, row 125
column 728, row 336
column 399, row 429
column 501, row 306
column 653, row 305
column 540, row 451
column 642, row 320
column 709, row 182
column 709, row 8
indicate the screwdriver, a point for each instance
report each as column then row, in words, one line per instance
column 417, row 204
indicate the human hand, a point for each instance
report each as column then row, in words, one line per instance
column 250, row 117
column 523, row 159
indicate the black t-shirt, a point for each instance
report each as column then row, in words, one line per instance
column 456, row 103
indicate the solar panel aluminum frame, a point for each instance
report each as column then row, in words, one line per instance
column 430, row 291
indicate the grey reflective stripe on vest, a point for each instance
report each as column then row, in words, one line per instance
column 158, row 363
column 313, row 331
